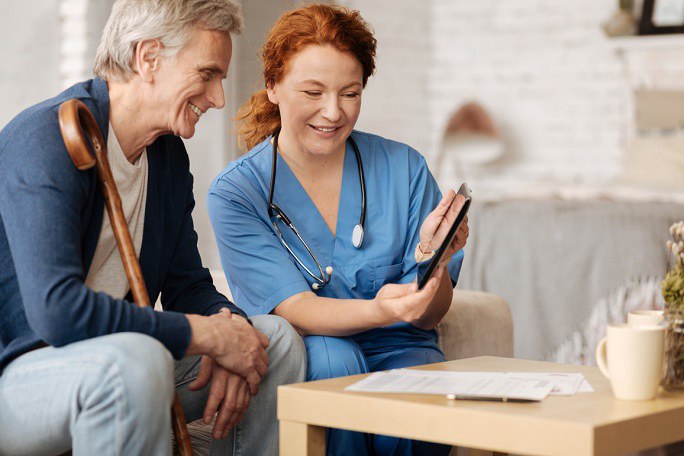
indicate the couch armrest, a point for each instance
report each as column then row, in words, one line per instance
column 476, row 324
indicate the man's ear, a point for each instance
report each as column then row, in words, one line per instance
column 146, row 58
column 272, row 95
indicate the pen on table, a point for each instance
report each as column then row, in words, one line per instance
column 488, row 398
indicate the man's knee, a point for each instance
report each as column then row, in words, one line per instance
column 286, row 348
column 331, row 357
column 136, row 366
column 280, row 333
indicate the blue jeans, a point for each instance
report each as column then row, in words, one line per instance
column 381, row 349
column 112, row 395
column 257, row 433
column 107, row 395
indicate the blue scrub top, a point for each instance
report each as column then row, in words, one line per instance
column 400, row 193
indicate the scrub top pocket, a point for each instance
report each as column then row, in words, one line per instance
column 367, row 276
column 386, row 270
column 386, row 274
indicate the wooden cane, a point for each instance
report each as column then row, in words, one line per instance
column 74, row 119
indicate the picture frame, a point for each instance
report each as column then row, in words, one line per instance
column 660, row 17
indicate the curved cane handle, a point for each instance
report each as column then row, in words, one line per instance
column 74, row 114
column 74, row 118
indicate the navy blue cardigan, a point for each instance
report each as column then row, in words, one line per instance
column 50, row 220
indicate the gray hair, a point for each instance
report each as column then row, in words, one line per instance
column 170, row 21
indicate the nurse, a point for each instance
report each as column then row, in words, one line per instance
column 350, row 292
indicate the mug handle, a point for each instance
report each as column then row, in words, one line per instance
column 601, row 357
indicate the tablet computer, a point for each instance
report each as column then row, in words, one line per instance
column 425, row 269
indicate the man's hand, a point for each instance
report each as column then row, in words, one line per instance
column 228, row 394
column 404, row 302
column 232, row 343
column 438, row 222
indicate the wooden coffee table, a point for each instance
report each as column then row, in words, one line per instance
column 583, row 424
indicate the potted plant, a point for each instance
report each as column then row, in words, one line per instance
column 673, row 292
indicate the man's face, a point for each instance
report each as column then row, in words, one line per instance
column 190, row 83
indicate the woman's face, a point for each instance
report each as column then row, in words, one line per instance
column 319, row 99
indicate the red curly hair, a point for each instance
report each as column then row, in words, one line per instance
column 314, row 24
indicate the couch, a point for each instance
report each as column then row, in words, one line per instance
column 477, row 324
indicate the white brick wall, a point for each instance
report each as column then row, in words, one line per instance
column 74, row 41
column 395, row 101
column 552, row 82
column 30, row 54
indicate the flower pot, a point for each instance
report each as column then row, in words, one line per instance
column 674, row 347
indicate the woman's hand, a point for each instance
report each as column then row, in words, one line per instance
column 437, row 223
column 404, row 302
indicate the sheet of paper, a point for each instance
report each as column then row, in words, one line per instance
column 585, row 387
column 489, row 385
column 566, row 384
column 522, row 385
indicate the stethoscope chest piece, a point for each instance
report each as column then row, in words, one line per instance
column 357, row 236
column 275, row 213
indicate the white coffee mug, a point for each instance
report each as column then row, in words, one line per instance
column 645, row 317
column 632, row 358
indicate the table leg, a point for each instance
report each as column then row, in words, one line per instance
column 300, row 439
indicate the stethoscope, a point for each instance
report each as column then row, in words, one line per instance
column 275, row 211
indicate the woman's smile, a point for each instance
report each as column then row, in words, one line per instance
column 319, row 99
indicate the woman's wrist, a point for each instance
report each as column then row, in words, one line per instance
column 380, row 315
column 422, row 254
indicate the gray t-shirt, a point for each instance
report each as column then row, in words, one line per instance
column 106, row 273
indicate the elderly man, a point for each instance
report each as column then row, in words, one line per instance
column 80, row 365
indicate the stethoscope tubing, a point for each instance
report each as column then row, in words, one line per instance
column 321, row 281
column 274, row 210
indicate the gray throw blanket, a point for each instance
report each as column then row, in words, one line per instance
column 558, row 262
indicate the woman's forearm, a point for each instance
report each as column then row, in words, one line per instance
column 313, row 315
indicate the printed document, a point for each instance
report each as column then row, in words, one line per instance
column 532, row 386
